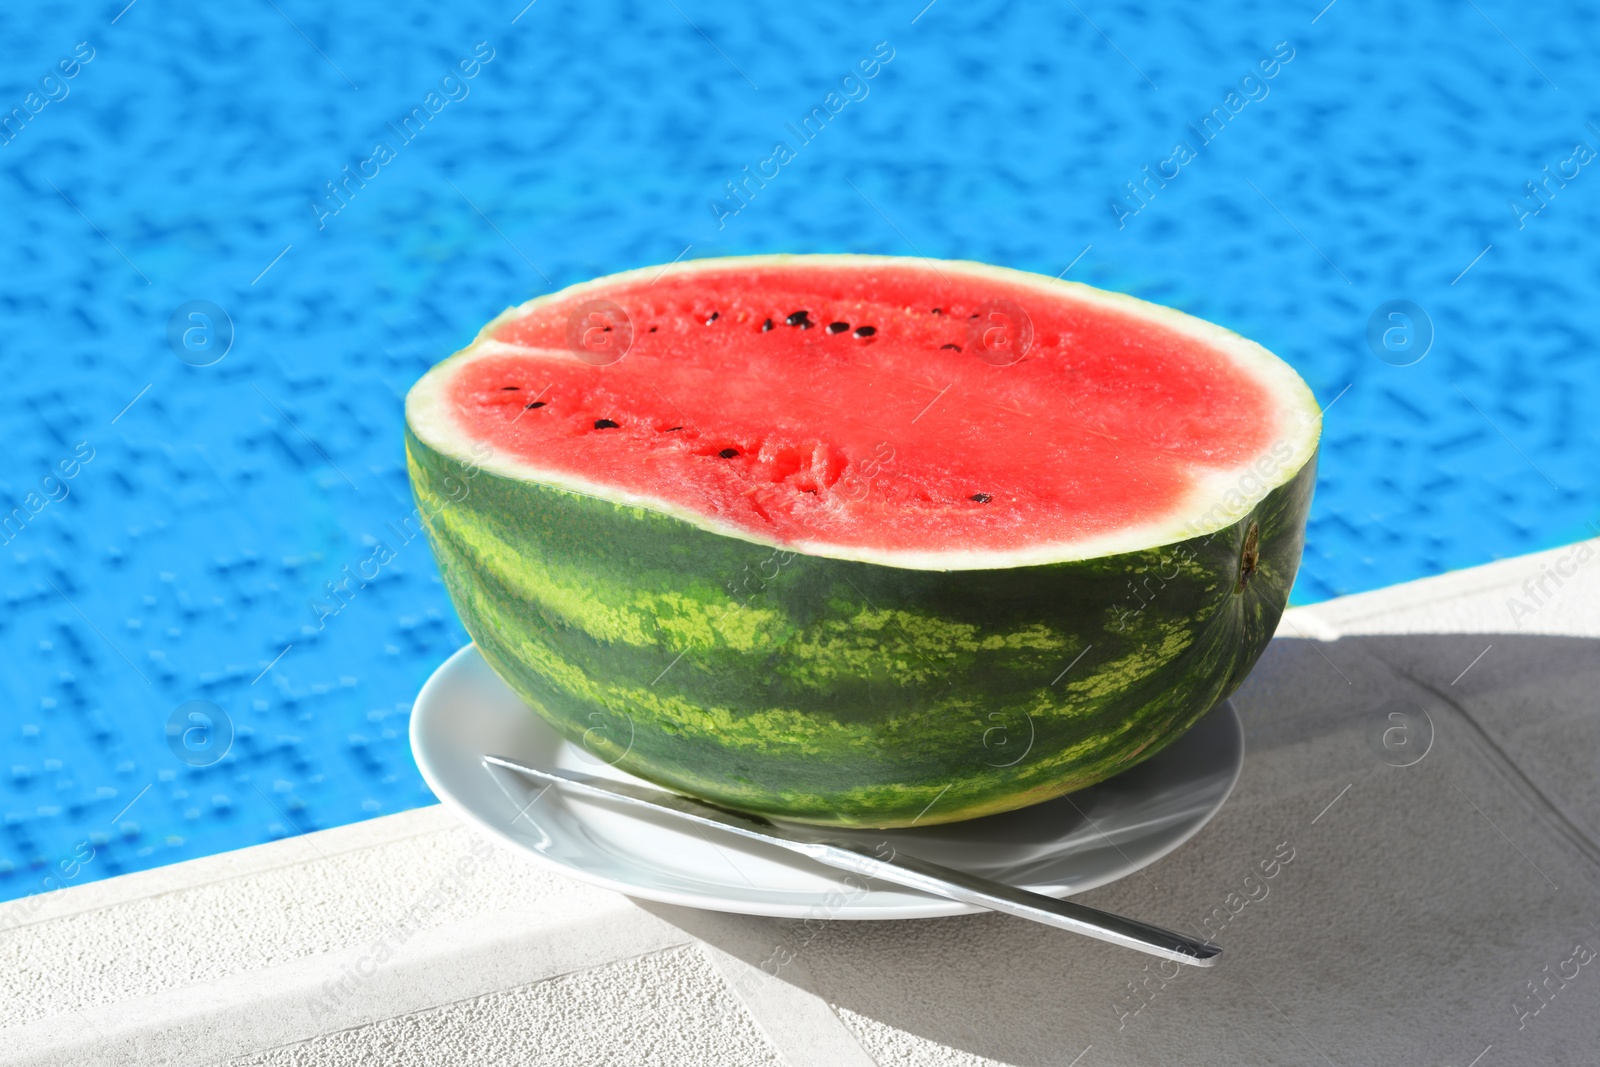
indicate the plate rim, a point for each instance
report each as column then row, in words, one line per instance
column 855, row 911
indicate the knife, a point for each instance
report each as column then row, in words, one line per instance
column 890, row 865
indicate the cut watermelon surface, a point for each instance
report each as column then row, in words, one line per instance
column 933, row 415
column 864, row 541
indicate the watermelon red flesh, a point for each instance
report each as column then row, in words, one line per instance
column 904, row 438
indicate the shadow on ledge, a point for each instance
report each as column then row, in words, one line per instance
column 1439, row 798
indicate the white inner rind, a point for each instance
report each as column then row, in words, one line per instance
column 1218, row 499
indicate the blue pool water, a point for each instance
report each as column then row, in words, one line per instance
column 185, row 157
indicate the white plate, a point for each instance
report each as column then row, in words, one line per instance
column 1059, row 848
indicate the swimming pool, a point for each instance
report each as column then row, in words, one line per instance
column 1302, row 179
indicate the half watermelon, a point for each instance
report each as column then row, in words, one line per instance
column 864, row 541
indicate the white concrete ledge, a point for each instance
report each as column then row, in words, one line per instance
column 1440, row 906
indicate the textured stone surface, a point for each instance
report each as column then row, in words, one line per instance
column 669, row 1008
column 261, row 921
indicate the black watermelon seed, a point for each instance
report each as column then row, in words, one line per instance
column 982, row 498
column 604, row 424
column 508, row 388
column 838, row 327
column 653, row 329
column 801, row 318
column 728, row 453
column 535, row 404
column 953, row 348
column 669, row 429
column 938, row 311
column 865, row 331
column 765, row 326
column 715, row 315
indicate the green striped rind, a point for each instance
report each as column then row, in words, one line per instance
column 842, row 692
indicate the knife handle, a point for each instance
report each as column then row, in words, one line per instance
column 967, row 888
